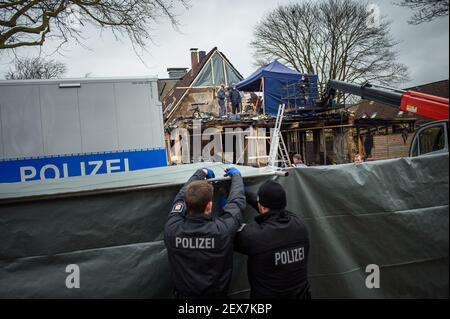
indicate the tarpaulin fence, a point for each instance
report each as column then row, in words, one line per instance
column 391, row 213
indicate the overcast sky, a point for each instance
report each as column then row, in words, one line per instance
column 229, row 25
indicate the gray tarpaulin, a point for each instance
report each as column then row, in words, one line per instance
column 391, row 213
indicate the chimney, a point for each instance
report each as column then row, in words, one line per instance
column 176, row 73
column 201, row 56
column 194, row 58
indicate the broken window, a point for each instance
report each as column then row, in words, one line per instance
column 204, row 78
column 217, row 71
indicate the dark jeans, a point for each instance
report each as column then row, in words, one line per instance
column 235, row 108
column 222, row 108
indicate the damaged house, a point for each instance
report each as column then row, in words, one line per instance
column 321, row 137
column 195, row 91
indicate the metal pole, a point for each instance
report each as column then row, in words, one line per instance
column 36, row 198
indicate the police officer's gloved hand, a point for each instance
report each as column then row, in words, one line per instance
column 209, row 173
column 232, row 171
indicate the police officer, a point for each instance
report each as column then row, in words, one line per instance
column 234, row 97
column 200, row 249
column 277, row 245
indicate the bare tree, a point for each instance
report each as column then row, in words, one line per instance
column 36, row 68
column 335, row 39
column 32, row 22
column 426, row 10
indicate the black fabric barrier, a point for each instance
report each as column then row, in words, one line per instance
column 391, row 213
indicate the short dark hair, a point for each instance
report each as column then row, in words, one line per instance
column 198, row 194
column 297, row 157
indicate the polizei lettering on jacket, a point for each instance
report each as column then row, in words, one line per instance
column 289, row 256
column 194, row 242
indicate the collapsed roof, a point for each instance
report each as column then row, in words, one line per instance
column 207, row 72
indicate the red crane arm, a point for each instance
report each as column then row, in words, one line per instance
column 426, row 105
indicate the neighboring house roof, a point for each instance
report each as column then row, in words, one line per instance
column 438, row 88
column 199, row 77
column 371, row 109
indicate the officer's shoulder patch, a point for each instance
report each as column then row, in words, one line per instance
column 178, row 207
column 241, row 228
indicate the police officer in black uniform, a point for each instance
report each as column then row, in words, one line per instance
column 200, row 249
column 277, row 245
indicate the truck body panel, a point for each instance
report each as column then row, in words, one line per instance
column 72, row 127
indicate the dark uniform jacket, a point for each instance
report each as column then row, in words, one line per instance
column 234, row 96
column 200, row 249
column 277, row 245
column 221, row 95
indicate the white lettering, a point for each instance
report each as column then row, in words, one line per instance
column 97, row 164
column 180, row 151
column 277, row 258
column 52, row 171
column 373, row 279
column 49, row 166
column 65, row 170
column 301, row 254
column 283, row 258
column 110, row 168
column 188, row 309
column 289, row 256
column 214, row 147
column 83, row 169
column 73, row 280
column 194, row 243
column 197, row 140
column 23, row 173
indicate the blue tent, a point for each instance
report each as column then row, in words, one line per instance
column 274, row 80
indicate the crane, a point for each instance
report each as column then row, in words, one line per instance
column 426, row 105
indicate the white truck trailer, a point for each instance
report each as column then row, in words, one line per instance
column 73, row 127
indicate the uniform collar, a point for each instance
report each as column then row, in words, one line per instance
column 198, row 217
column 272, row 214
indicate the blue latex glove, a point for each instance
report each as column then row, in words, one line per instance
column 232, row 171
column 209, row 173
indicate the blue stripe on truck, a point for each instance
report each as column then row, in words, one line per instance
column 78, row 165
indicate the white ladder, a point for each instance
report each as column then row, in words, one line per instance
column 277, row 146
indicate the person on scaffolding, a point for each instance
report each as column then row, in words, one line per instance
column 221, row 100
column 277, row 246
column 200, row 248
column 234, row 98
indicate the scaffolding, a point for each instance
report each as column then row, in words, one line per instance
column 300, row 95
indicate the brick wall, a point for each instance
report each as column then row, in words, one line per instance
column 390, row 146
